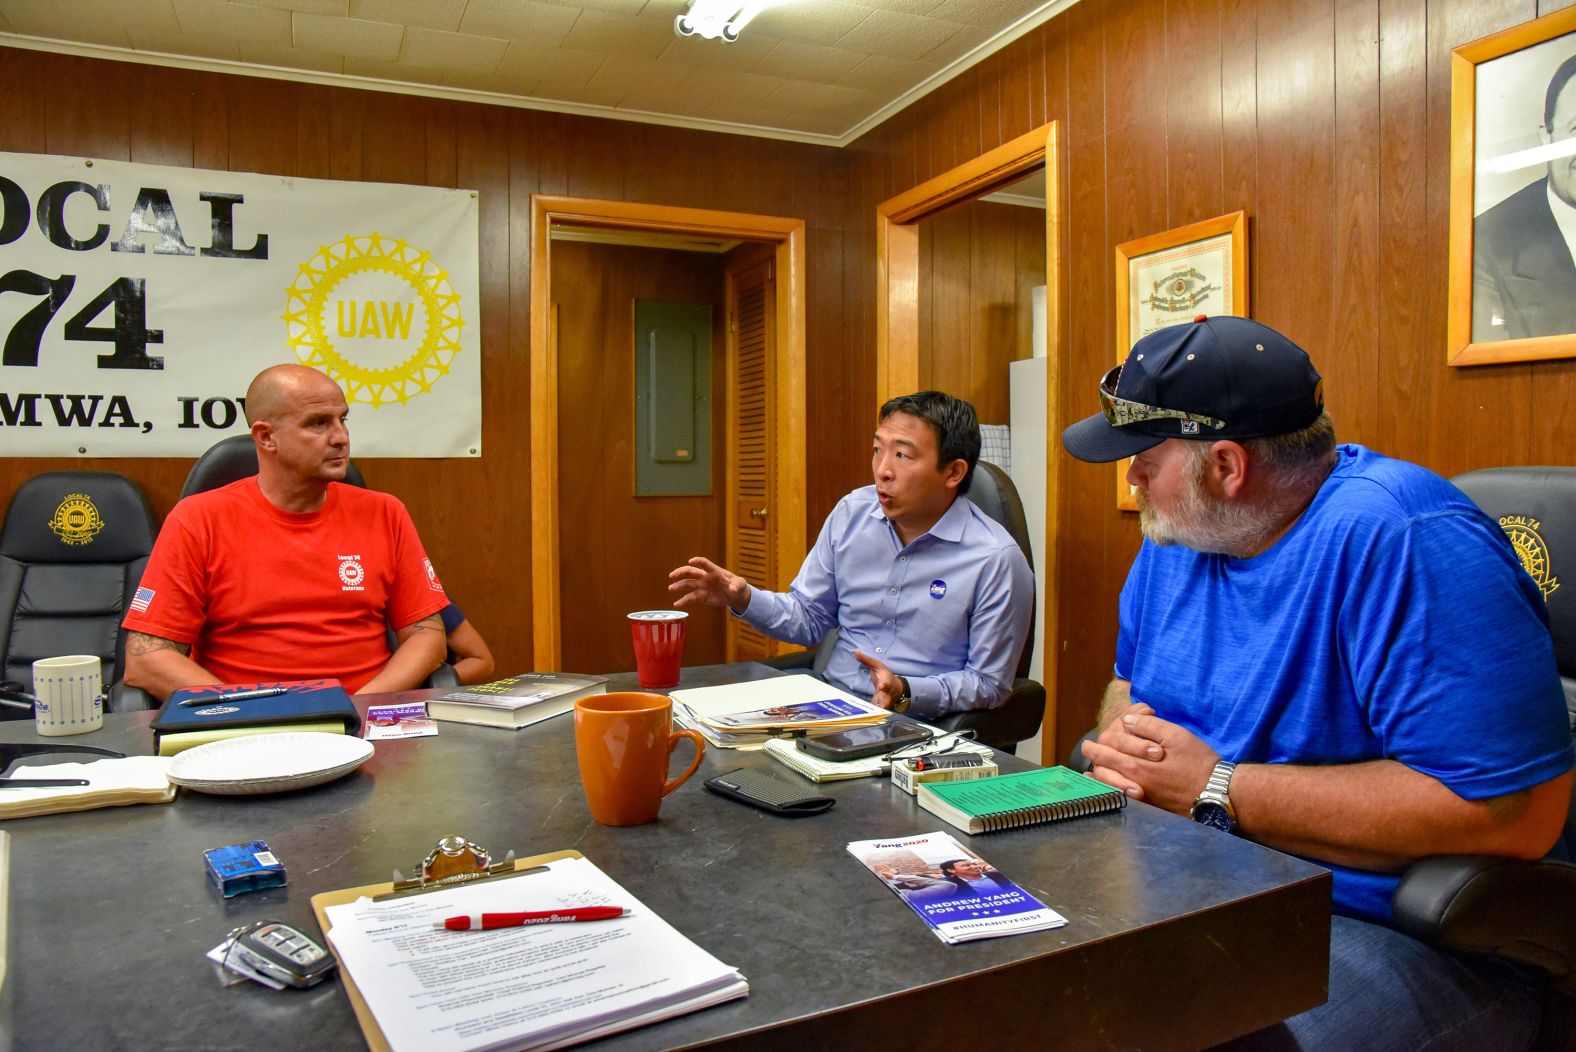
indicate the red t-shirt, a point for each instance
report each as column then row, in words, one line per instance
column 263, row 594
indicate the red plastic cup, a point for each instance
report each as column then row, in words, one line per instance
column 659, row 646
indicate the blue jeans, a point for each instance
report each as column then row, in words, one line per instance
column 1389, row 991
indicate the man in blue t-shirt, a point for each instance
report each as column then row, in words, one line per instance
column 1329, row 652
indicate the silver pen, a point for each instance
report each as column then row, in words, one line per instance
column 240, row 695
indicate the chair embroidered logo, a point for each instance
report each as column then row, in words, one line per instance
column 1530, row 549
column 76, row 521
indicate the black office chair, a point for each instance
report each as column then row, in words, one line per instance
column 72, row 552
column 1523, row 911
column 233, row 459
column 1018, row 717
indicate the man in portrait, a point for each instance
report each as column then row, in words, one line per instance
column 1523, row 274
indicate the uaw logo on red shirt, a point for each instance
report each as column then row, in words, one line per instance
column 351, row 576
column 432, row 576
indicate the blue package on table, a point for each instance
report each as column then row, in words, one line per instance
column 240, row 868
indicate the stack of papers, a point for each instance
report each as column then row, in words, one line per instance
column 541, row 986
column 111, row 783
column 747, row 715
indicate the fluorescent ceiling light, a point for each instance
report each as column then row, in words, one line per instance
column 714, row 19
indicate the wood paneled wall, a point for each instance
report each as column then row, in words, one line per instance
column 473, row 514
column 616, row 549
column 978, row 265
column 1328, row 122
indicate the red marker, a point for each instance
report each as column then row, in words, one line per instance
column 486, row 921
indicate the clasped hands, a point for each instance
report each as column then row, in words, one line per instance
column 1151, row 759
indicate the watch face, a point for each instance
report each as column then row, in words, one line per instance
column 1213, row 815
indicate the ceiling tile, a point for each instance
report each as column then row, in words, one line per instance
column 821, row 98
column 209, row 19
column 809, row 21
column 351, row 37
column 291, row 58
column 882, row 74
column 699, row 53
column 510, row 82
column 543, row 25
column 310, row 7
column 589, row 94
column 808, row 61
column 994, row 15
column 897, row 35
column 40, row 18
column 435, row 49
column 390, row 70
column 653, row 87
column 428, row 14
column 561, row 65
column 725, row 86
column 614, row 7
column 624, row 36
column 189, row 46
column 907, row 7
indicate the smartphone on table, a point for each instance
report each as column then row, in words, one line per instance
column 860, row 742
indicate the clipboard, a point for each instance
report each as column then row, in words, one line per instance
column 321, row 901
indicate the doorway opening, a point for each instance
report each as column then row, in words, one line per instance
column 780, row 387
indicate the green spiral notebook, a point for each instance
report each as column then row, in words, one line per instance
column 1046, row 794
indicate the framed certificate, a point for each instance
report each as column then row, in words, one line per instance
column 1168, row 278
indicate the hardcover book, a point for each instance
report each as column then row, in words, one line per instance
column 516, row 701
column 1045, row 794
column 960, row 895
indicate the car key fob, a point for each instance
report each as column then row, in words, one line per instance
column 768, row 793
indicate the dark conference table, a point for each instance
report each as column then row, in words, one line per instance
column 1177, row 936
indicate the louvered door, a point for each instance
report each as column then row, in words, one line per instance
column 751, row 526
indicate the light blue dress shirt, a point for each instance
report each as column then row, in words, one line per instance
column 949, row 612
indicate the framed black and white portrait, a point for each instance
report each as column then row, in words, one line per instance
column 1513, row 194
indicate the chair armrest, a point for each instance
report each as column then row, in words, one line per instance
column 1016, row 719
column 788, row 662
column 443, row 676
column 1485, row 904
column 123, row 697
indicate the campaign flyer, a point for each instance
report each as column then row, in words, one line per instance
column 803, row 712
column 960, row 895
column 399, row 721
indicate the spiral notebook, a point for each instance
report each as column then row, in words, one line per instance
column 1046, row 794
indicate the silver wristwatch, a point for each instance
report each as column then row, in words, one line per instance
column 1213, row 806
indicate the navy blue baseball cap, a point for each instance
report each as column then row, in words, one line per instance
column 1207, row 379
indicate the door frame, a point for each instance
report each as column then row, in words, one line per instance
column 787, row 236
column 897, row 330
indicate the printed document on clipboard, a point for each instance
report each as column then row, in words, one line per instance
column 538, row 987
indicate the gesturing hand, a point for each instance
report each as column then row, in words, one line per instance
column 1172, row 779
column 883, row 681
column 703, row 581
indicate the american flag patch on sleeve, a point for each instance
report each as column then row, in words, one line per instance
column 140, row 600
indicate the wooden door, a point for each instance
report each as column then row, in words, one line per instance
column 752, row 360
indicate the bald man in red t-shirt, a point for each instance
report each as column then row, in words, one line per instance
column 290, row 574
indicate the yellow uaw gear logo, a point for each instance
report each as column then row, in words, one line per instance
column 76, row 521
column 1530, row 549
column 392, row 312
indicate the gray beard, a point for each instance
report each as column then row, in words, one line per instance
column 1205, row 523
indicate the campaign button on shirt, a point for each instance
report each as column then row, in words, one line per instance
column 938, row 589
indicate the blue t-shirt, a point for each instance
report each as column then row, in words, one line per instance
column 1392, row 621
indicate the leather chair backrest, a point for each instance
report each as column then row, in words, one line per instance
column 235, row 458
column 72, row 552
column 1536, row 507
column 993, row 493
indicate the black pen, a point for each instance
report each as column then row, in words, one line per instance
column 240, row 695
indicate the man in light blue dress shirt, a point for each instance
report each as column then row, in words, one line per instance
column 930, row 595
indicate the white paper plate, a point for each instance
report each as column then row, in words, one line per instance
column 269, row 763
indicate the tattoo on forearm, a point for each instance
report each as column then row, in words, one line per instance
column 428, row 624
column 141, row 644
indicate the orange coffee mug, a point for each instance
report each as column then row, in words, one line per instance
column 623, row 742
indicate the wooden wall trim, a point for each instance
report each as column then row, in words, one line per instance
column 787, row 236
column 897, row 328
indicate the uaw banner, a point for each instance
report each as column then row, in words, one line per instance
column 138, row 301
